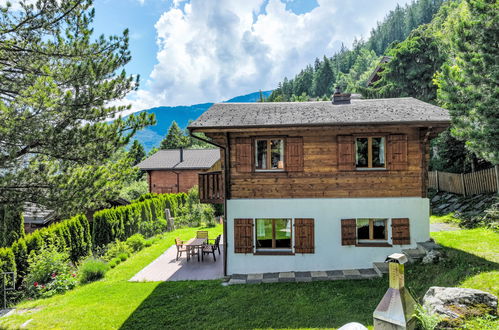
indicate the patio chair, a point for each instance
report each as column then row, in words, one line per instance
column 211, row 248
column 202, row 234
column 216, row 242
column 180, row 247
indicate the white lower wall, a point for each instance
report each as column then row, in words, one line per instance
column 327, row 212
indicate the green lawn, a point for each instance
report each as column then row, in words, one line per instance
column 115, row 303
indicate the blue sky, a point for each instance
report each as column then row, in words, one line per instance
column 197, row 51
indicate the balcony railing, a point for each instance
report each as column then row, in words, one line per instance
column 211, row 188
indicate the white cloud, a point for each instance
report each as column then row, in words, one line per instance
column 211, row 50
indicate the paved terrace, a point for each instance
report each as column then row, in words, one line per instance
column 166, row 268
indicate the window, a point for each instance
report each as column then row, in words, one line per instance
column 372, row 229
column 370, row 152
column 269, row 154
column 273, row 234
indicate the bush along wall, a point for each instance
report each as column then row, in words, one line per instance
column 145, row 215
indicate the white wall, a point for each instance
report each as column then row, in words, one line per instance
column 327, row 212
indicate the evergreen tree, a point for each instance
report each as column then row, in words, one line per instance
column 11, row 225
column 324, row 79
column 175, row 138
column 467, row 85
column 57, row 80
column 136, row 152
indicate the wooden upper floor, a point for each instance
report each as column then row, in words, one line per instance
column 324, row 161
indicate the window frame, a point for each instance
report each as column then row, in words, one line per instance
column 370, row 151
column 274, row 248
column 269, row 154
column 371, row 238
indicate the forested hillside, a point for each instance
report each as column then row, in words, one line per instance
column 442, row 52
column 350, row 68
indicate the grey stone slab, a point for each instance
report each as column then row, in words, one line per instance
column 235, row 281
column 254, row 281
column 354, row 277
column 302, row 274
column 287, row 275
column 331, row 273
column 303, row 279
column 287, row 279
column 351, row 272
column 270, row 275
column 318, row 274
column 336, row 278
column 253, row 277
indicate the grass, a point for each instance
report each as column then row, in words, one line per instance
column 447, row 218
column 115, row 303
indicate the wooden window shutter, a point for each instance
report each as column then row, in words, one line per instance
column 400, row 231
column 346, row 152
column 243, row 235
column 294, row 154
column 348, row 231
column 304, row 236
column 244, row 155
column 397, row 152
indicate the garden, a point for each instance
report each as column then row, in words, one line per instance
column 114, row 302
column 75, row 252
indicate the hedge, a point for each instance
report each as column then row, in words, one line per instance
column 121, row 222
column 72, row 235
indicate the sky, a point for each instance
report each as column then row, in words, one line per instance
column 195, row 51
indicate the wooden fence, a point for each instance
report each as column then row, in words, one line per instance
column 485, row 181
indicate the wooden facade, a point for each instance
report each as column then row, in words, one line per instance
column 320, row 163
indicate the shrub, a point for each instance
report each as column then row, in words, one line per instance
column 116, row 261
column 7, row 261
column 425, row 320
column 60, row 283
column 123, row 256
column 92, row 270
column 136, row 242
column 44, row 264
column 115, row 249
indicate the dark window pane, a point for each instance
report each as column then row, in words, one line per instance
column 261, row 154
column 379, row 152
column 283, row 233
column 264, row 233
column 362, row 228
column 361, row 155
column 277, row 153
column 379, row 228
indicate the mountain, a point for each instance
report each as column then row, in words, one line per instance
column 151, row 136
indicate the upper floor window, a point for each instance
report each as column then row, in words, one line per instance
column 370, row 152
column 269, row 154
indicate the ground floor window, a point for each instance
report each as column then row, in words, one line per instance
column 273, row 234
column 372, row 229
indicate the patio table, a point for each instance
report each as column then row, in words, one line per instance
column 194, row 244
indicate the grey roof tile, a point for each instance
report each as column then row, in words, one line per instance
column 272, row 114
column 170, row 159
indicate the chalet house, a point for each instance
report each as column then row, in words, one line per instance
column 375, row 76
column 314, row 186
column 176, row 170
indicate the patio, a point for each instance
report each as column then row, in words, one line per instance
column 166, row 268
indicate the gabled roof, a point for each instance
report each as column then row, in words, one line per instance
column 291, row 114
column 37, row 214
column 170, row 159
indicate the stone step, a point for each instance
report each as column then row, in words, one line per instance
column 380, row 268
column 414, row 255
column 426, row 247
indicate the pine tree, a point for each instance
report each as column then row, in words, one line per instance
column 137, row 152
column 175, row 138
column 57, row 81
column 324, row 79
column 467, row 85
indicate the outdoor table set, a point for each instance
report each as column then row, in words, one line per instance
column 198, row 245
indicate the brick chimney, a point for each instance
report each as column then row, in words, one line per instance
column 340, row 98
column 181, row 154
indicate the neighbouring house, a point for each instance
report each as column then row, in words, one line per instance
column 314, row 186
column 375, row 75
column 176, row 170
column 36, row 216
